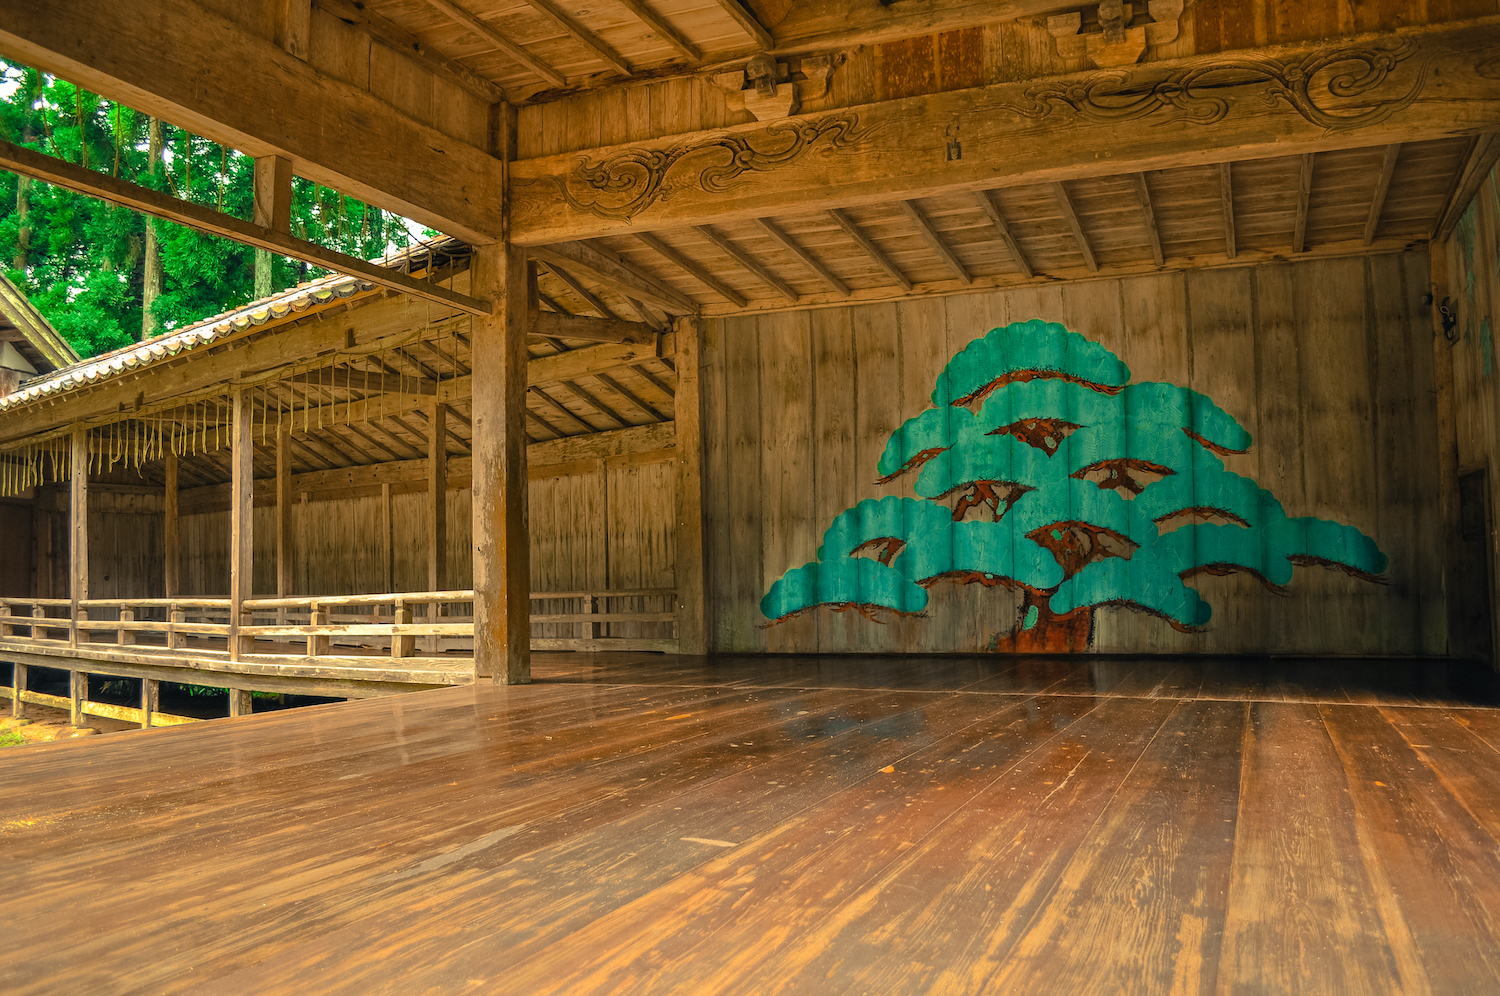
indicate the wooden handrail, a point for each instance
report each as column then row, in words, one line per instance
column 307, row 601
column 607, row 593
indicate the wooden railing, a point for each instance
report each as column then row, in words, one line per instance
column 404, row 622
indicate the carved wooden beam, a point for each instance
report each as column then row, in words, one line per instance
column 1264, row 103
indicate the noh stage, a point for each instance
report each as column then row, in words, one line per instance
column 655, row 824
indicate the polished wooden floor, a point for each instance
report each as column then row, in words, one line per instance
column 781, row 825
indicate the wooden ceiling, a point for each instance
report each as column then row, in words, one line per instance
column 1349, row 201
column 517, row 45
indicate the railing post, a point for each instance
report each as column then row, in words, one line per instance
column 241, row 522
column 78, row 693
column 593, row 609
column 18, row 686
column 126, row 637
column 38, row 632
column 78, row 636
column 150, row 700
column 6, row 629
column 175, row 640
column 316, row 617
column 402, row 646
column 78, row 550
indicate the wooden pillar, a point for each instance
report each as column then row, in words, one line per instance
column 691, row 610
column 170, row 542
column 502, row 555
column 271, row 208
column 78, row 694
column 150, row 701
column 1447, row 435
column 437, row 511
column 239, row 702
column 18, row 687
column 388, row 538
column 283, row 518
column 241, row 520
column 78, row 544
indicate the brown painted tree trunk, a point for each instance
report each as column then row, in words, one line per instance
column 151, row 288
column 1049, row 633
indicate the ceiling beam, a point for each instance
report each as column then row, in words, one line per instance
column 409, row 46
column 582, row 36
column 749, row 262
column 1484, row 153
column 488, row 34
column 798, row 250
column 584, row 294
column 628, row 280
column 177, row 61
column 931, row 237
column 1065, row 205
column 991, row 208
column 1143, row 194
column 1226, row 202
column 871, row 249
column 663, row 29
column 590, row 329
column 698, row 272
column 1382, row 187
column 1182, row 112
column 748, row 24
column 1304, row 197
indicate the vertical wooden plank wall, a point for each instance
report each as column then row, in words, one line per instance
column 1474, row 287
column 1327, row 363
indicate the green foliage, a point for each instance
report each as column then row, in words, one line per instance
column 82, row 261
column 1067, row 482
column 10, row 738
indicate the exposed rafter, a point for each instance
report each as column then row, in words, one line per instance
column 1382, row 187
column 749, row 262
column 589, row 329
column 931, row 237
column 578, row 257
column 409, row 46
column 663, row 29
column 1484, row 153
column 1065, row 204
column 582, row 35
column 1304, row 196
column 991, row 210
column 812, row 262
column 749, row 24
column 1143, row 194
column 698, row 272
column 588, row 297
column 559, row 407
column 1226, row 199
column 495, row 38
column 870, row 248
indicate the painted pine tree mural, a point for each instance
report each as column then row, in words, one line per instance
column 1041, row 468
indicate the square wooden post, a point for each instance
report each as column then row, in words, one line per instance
column 241, row 521
column 437, row 511
column 502, row 554
column 239, row 702
column 171, row 550
column 78, row 546
column 150, row 701
column 283, row 518
column 78, row 694
column 688, row 409
column 402, row 646
column 125, row 636
column 18, row 687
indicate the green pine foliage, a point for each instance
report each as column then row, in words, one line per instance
column 82, row 261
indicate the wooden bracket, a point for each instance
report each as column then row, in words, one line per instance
column 769, row 89
column 1117, row 41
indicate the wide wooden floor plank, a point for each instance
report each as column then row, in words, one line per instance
column 1140, row 908
column 1302, row 912
column 1443, row 866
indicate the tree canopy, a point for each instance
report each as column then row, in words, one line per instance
column 1068, row 483
column 83, row 262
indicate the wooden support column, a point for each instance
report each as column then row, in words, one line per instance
column 692, row 631
column 241, row 520
column 78, row 544
column 239, row 702
column 272, row 208
column 283, row 518
column 172, row 553
column 502, row 554
column 1447, row 435
column 78, row 694
column 18, row 687
column 150, row 701
column 437, row 510
column 388, row 537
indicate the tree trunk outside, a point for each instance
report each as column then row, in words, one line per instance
column 23, row 230
column 152, row 285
